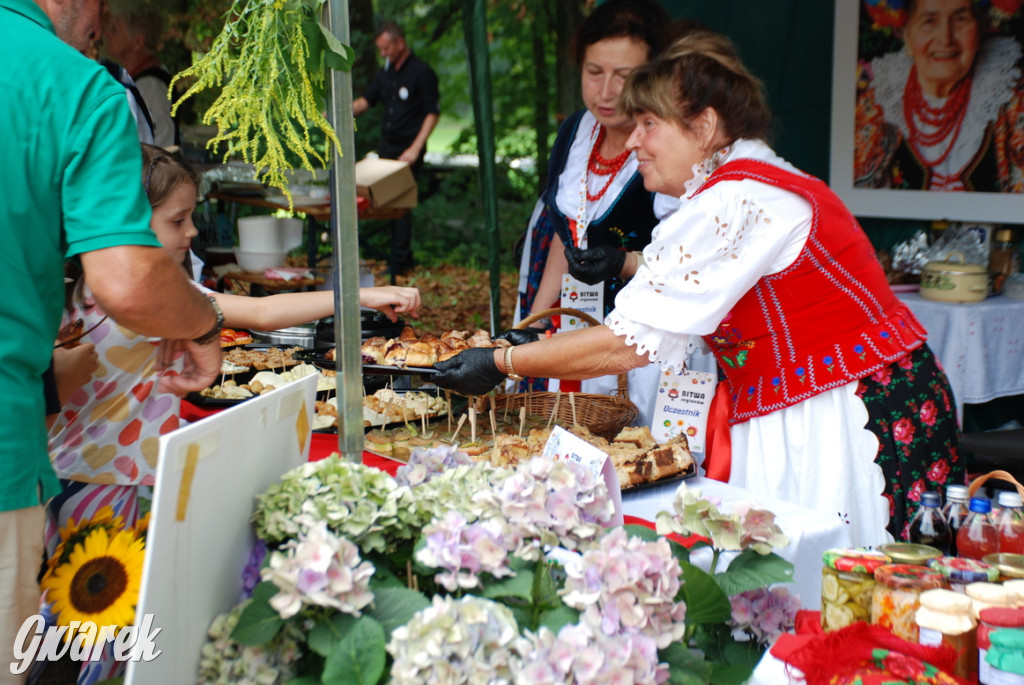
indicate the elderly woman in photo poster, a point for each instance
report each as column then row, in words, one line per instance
column 940, row 102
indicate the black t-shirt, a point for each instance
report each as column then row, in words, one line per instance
column 409, row 94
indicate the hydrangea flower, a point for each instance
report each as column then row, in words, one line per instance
column 358, row 502
column 319, row 569
column 550, row 504
column 425, row 464
column 580, row 655
column 753, row 528
column 764, row 614
column 471, row 640
column 463, row 489
column 628, row 586
column 223, row 661
column 464, row 550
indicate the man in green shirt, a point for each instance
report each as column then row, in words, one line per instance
column 70, row 170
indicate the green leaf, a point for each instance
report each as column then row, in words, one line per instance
column 554, row 619
column 705, row 600
column 304, row 680
column 643, row 532
column 748, row 653
column 359, row 658
column 751, row 570
column 259, row 621
column 395, row 606
column 686, row 666
column 264, row 591
column 383, row 577
column 338, row 55
column 730, row 674
column 329, row 631
column 519, row 586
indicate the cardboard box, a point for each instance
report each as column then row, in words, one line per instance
column 387, row 182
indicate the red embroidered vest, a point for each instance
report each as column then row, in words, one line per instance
column 828, row 319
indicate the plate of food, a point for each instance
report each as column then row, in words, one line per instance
column 639, row 460
column 231, row 391
column 407, row 354
column 262, row 356
column 387, row 408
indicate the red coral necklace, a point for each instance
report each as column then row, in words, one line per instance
column 599, row 166
column 946, row 119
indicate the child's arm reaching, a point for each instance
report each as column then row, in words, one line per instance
column 391, row 299
column 291, row 309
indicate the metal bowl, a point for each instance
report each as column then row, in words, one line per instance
column 303, row 336
column 372, row 323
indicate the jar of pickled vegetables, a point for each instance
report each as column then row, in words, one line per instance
column 961, row 571
column 897, row 597
column 847, row 585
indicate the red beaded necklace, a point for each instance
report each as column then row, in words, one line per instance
column 599, row 166
column 945, row 119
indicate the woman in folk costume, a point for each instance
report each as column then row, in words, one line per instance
column 595, row 200
column 837, row 402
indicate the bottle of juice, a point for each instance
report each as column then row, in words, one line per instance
column 928, row 527
column 1010, row 523
column 978, row 535
column 955, row 510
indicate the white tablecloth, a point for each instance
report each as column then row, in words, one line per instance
column 810, row 534
column 980, row 345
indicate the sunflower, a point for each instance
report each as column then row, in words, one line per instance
column 76, row 532
column 100, row 580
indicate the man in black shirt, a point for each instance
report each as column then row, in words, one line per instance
column 407, row 87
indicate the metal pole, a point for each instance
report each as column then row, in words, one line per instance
column 345, row 243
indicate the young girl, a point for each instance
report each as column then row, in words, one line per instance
column 103, row 444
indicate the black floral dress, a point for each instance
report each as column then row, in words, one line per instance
column 911, row 411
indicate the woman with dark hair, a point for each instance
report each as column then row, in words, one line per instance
column 945, row 112
column 836, row 402
column 595, row 200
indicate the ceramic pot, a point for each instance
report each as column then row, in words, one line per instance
column 954, row 281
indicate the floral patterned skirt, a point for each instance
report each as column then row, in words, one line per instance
column 911, row 410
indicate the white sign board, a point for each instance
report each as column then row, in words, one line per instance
column 199, row 536
column 683, row 405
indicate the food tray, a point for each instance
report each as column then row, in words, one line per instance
column 692, row 473
column 457, row 401
column 318, row 357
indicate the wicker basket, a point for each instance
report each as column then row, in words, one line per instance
column 603, row 415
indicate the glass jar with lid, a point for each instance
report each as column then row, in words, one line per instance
column 990, row 595
column 960, row 571
column 1004, row 257
column 944, row 618
column 897, row 595
column 848, row 585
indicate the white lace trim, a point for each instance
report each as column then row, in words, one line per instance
column 995, row 75
column 671, row 350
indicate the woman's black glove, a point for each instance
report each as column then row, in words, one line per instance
column 470, row 372
column 521, row 336
column 595, row 264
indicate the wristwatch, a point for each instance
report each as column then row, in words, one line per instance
column 509, row 371
column 213, row 333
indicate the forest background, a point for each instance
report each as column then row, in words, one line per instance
column 534, row 86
